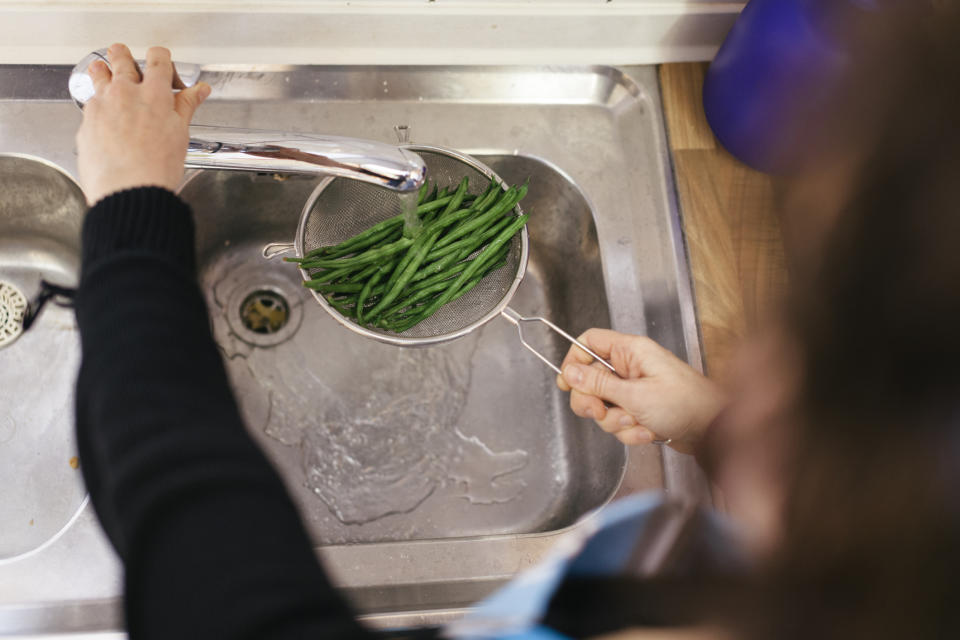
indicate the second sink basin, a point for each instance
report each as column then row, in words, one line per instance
column 383, row 443
column 41, row 209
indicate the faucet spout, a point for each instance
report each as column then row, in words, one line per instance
column 213, row 147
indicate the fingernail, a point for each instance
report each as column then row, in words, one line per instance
column 642, row 436
column 627, row 421
column 573, row 374
column 589, row 413
column 205, row 90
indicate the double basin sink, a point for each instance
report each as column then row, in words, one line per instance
column 427, row 477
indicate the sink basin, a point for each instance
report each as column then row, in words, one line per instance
column 427, row 477
column 381, row 443
column 41, row 209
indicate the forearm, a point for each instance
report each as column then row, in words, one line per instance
column 211, row 542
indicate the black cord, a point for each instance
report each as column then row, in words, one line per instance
column 61, row 296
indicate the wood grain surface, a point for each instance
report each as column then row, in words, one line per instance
column 730, row 220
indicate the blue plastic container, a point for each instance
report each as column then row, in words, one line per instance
column 773, row 77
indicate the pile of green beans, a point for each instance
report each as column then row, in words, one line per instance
column 387, row 279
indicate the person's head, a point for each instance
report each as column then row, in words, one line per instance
column 861, row 421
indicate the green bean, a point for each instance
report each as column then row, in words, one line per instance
column 472, row 241
column 415, row 300
column 330, row 276
column 408, row 302
column 367, row 257
column 489, row 196
column 419, row 253
column 506, row 203
column 432, row 229
column 490, row 250
column 440, row 265
column 367, row 289
column 359, row 240
column 370, row 241
column 423, row 315
column 349, row 312
column 363, row 274
column 398, row 319
column 454, row 204
column 381, row 278
column 427, row 207
column 349, row 287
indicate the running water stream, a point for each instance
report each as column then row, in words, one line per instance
column 411, row 222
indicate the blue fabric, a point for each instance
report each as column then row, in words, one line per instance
column 601, row 545
column 773, row 77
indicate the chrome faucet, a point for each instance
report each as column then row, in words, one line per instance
column 277, row 152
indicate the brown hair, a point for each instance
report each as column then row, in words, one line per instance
column 872, row 517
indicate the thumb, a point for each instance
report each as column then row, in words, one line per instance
column 597, row 382
column 188, row 100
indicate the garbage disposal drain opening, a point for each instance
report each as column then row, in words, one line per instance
column 264, row 311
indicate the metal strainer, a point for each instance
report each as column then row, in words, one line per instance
column 340, row 208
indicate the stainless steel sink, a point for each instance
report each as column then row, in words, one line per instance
column 427, row 477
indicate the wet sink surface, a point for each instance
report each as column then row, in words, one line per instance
column 381, row 443
column 40, row 213
column 427, row 477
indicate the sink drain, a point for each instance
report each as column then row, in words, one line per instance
column 264, row 312
column 261, row 309
column 13, row 305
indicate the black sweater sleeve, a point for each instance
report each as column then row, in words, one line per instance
column 211, row 542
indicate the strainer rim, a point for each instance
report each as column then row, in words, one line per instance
column 421, row 341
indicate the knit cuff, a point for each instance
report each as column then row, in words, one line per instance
column 144, row 219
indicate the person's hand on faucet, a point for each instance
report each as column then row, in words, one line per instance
column 135, row 130
column 657, row 396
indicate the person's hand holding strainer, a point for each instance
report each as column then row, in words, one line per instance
column 656, row 397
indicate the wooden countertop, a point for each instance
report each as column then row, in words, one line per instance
column 732, row 230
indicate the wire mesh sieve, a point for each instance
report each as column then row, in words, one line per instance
column 340, row 208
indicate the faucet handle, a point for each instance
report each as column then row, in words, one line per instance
column 185, row 75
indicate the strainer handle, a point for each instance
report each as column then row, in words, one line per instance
column 517, row 320
column 274, row 249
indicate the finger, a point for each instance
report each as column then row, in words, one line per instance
column 601, row 341
column 122, row 62
column 616, row 420
column 158, row 72
column 635, row 436
column 587, row 406
column 187, row 101
column 598, row 381
column 100, row 75
column 576, row 354
column 631, row 355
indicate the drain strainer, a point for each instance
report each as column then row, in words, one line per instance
column 264, row 311
column 12, row 307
